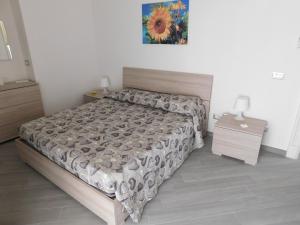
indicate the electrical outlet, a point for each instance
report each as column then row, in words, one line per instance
column 27, row 62
column 278, row 76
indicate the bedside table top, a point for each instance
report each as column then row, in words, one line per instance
column 255, row 126
column 95, row 94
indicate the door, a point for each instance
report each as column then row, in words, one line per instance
column 294, row 147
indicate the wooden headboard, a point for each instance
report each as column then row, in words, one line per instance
column 170, row 82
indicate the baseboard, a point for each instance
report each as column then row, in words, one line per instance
column 276, row 151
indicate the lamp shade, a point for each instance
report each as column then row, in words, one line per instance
column 242, row 103
column 104, row 82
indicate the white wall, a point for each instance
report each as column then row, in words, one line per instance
column 240, row 42
column 62, row 42
column 14, row 69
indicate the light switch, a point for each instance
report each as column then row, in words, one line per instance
column 278, row 76
column 299, row 42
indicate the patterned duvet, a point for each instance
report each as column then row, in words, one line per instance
column 126, row 144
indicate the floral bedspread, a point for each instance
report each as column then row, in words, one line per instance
column 125, row 145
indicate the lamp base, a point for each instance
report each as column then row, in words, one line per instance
column 239, row 117
column 105, row 91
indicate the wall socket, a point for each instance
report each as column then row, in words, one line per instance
column 27, row 62
column 278, row 76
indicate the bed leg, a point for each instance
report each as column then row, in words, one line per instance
column 116, row 221
column 119, row 216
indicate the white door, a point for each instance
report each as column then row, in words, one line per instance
column 294, row 147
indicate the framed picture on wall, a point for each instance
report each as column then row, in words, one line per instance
column 166, row 22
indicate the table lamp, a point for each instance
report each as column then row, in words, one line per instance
column 241, row 105
column 104, row 84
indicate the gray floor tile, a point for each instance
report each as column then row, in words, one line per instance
column 206, row 190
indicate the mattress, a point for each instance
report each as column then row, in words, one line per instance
column 121, row 148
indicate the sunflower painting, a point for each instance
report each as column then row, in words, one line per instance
column 166, row 22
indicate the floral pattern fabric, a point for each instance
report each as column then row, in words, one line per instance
column 121, row 148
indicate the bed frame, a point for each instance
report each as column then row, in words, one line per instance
column 109, row 209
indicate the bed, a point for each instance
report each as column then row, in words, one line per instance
column 112, row 155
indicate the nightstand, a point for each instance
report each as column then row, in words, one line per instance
column 92, row 96
column 232, row 140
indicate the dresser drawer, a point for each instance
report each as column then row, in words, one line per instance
column 10, row 131
column 18, row 106
column 19, row 96
column 21, row 113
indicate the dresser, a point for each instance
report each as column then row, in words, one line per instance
column 19, row 103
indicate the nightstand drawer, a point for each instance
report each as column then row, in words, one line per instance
column 238, row 139
column 236, row 144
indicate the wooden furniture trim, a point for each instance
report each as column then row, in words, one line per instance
column 106, row 208
column 170, row 82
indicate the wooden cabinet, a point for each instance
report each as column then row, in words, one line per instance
column 231, row 139
column 19, row 103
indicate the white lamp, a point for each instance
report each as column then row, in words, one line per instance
column 104, row 84
column 241, row 105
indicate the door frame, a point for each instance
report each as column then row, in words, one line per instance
column 294, row 147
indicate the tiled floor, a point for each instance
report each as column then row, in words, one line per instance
column 206, row 190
